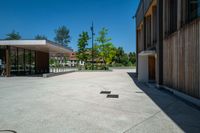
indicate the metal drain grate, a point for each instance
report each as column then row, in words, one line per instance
column 139, row 92
column 105, row 92
column 112, row 96
column 7, row 131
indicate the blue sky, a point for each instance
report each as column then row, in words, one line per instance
column 32, row 17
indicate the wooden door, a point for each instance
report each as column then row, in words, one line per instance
column 152, row 68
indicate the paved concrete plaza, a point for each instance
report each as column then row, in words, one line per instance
column 72, row 103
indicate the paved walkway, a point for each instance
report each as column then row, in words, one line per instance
column 72, row 103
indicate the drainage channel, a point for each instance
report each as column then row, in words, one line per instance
column 109, row 95
column 105, row 92
column 112, row 96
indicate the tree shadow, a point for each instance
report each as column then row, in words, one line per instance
column 184, row 114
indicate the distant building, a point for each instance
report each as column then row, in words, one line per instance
column 168, row 44
column 73, row 60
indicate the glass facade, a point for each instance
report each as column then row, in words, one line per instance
column 22, row 61
column 13, row 60
column 2, row 59
column 194, row 9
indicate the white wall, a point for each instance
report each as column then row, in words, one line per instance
column 143, row 74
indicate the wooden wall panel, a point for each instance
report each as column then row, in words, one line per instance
column 181, row 61
column 198, row 36
column 42, row 62
column 199, row 54
column 181, row 56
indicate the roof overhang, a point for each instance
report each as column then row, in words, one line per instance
column 148, row 53
column 37, row 45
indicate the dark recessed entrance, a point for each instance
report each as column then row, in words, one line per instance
column 152, row 68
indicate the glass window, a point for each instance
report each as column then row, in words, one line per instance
column 190, row 10
column 21, row 63
column 32, row 65
column 2, row 59
column 27, row 61
column 171, row 12
column 194, row 9
column 13, row 60
column 173, row 15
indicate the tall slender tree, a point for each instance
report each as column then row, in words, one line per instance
column 102, row 38
column 82, row 46
column 106, row 48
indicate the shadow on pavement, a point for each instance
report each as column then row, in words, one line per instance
column 185, row 116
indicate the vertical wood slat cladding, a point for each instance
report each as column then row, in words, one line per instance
column 181, row 56
column 198, row 42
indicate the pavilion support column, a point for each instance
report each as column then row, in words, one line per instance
column 7, row 66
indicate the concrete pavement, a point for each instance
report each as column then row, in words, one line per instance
column 72, row 103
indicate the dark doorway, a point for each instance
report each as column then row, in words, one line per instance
column 152, row 68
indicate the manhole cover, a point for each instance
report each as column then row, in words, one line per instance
column 105, row 92
column 7, row 131
column 112, row 96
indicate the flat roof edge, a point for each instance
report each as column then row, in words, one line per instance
column 22, row 42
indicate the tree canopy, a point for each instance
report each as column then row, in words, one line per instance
column 106, row 48
column 107, row 52
column 13, row 36
column 62, row 36
column 102, row 38
column 40, row 37
column 82, row 46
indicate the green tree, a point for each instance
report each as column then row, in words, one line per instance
column 119, row 55
column 40, row 37
column 82, row 46
column 106, row 49
column 107, row 52
column 13, row 36
column 102, row 39
column 63, row 36
column 132, row 57
column 125, row 60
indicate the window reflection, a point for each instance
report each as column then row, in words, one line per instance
column 21, row 64
column 22, row 61
column 194, row 9
column 27, row 61
column 32, row 65
column 13, row 60
column 2, row 58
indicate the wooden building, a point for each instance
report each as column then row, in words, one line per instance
column 168, row 38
